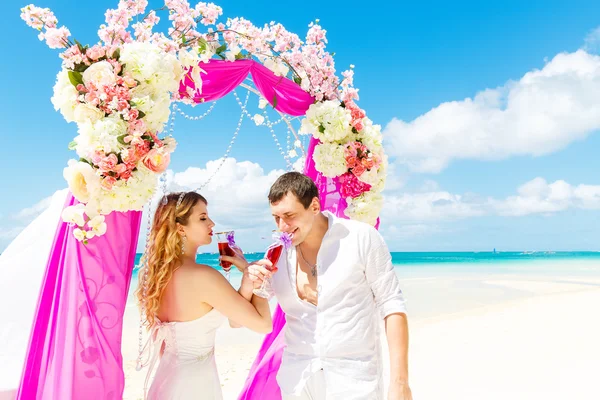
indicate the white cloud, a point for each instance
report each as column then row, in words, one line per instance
column 12, row 225
column 30, row 213
column 534, row 197
column 543, row 112
column 236, row 195
column 592, row 41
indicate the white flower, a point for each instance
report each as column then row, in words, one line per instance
column 329, row 159
column 305, row 84
column 65, row 96
column 150, row 65
column 87, row 112
column 232, row 52
column 262, row 103
column 74, row 215
column 292, row 154
column 97, row 225
column 279, row 68
column 327, row 121
column 82, row 180
column 79, row 234
column 189, row 60
column 297, row 143
column 365, row 208
column 100, row 73
column 101, row 135
column 258, row 119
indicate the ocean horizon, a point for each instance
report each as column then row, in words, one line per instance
column 454, row 261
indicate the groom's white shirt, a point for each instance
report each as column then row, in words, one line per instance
column 357, row 288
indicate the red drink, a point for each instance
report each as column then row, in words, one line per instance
column 273, row 254
column 225, row 250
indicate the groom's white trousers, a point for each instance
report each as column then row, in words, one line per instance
column 313, row 390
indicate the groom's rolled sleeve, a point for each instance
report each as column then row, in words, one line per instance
column 382, row 278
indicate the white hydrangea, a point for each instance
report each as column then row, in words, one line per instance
column 152, row 66
column 127, row 195
column 366, row 207
column 101, row 135
column 327, row 121
column 65, row 96
column 329, row 159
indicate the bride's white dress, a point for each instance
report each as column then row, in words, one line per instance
column 187, row 368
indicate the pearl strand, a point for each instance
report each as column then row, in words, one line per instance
column 197, row 117
column 235, row 134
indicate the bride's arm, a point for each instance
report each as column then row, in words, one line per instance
column 217, row 292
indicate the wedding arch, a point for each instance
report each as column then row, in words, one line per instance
column 122, row 93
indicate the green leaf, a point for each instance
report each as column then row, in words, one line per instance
column 183, row 39
column 354, row 130
column 75, row 78
column 222, row 48
column 72, row 145
column 121, row 139
column 343, row 104
column 239, row 56
column 81, row 48
column 297, row 79
column 274, row 100
column 116, row 54
column 80, row 67
column 141, row 114
column 321, row 129
column 222, row 56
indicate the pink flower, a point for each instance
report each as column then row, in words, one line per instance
column 358, row 169
column 55, row 38
column 156, row 160
column 351, row 186
column 129, row 81
column 95, row 52
column 108, row 182
column 108, row 163
column 126, row 174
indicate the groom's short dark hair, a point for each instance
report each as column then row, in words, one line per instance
column 296, row 183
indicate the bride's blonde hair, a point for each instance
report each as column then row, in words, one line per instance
column 164, row 250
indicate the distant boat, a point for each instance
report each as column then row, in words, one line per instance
column 494, row 250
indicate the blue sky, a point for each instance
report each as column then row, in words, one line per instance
column 410, row 58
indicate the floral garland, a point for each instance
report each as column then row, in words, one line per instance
column 119, row 93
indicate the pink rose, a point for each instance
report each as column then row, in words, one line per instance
column 156, row 160
column 358, row 169
column 95, row 52
column 129, row 81
column 126, row 174
column 351, row 186
column 108, row 182
column 108, row 163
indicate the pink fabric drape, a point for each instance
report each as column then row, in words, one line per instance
column 222, row 77
column 75, row 344
column 74, row 349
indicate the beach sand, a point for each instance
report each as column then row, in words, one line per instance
column 473, row 336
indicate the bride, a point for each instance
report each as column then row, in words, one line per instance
column 183, row 303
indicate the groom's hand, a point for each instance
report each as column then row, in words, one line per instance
column 259, row 271
column 399, row 391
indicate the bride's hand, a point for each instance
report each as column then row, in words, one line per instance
column 239, row 261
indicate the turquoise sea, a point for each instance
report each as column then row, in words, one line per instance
column 411, row 264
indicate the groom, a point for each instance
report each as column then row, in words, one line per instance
column 336, row 284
